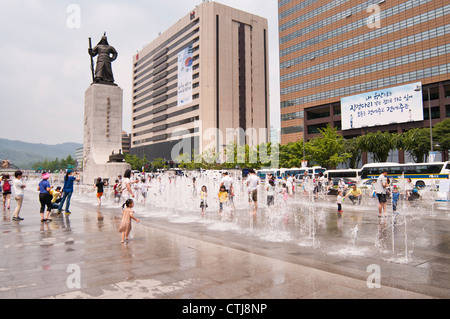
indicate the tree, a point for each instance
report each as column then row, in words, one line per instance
column 351, row 147
column 210, row 159
column 135, row 161
column 231, row 155
column 54, row 165
column 379, row 144
column 183, row 160
column 159, row 163
column 291, row 154
column 327, row 149
column 441, row 134
column 416, row 142
column 251, row 156
column 268, row 154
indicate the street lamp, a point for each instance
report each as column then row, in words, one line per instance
column 417, row 89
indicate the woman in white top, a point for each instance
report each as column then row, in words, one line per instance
column 18, row 193
column 342, row 186
column 127, row 192
column 408, row 187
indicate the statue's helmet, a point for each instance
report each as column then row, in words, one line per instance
column 104, row 40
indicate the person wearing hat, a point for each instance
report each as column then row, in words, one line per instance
column 381, row 188
column 44, row 197
column 67, row 190
column 106, row 54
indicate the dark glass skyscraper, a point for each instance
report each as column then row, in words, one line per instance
column 331, row 49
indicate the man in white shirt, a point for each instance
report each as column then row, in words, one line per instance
column 227, row 181
column 18, row 192
column 252, row 183
column 380, row 188
column 290, row 184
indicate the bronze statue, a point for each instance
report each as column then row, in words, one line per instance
column 106, row 55
column 116, row 158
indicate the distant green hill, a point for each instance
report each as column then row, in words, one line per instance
column 24, row 155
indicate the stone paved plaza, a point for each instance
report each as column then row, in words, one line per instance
column 81, row 257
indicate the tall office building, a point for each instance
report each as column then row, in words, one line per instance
column 331, row 50
column 126, row 141
column 208, row 71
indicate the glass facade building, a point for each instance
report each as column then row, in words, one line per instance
column 331, row 49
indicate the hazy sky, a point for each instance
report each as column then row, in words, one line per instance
column 45, row 67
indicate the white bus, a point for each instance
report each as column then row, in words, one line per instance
column 421, row 174
column 298, row 173
column 352, row 174
column 262, row 173
column 281, row 173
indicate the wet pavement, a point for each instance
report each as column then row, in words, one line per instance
column 310, row 252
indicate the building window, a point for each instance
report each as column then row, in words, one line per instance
column 447, row 90
column 318, row 114
column 447, row 109
column 313, row 129
column 434, row 94
column 435, row 113
column 287, row 104
column 337, row 125
column 337, row 110
column 292, row 129
column 292, row 116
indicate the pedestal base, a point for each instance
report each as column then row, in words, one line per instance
column 108, row 171
column 102, row 133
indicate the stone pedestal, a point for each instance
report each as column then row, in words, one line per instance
column 102, row 133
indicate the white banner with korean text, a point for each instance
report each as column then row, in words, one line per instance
column 399, row 104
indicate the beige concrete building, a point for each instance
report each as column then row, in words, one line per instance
column 230, row 89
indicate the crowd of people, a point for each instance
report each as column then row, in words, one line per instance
column 129, row 190
column 7, row 186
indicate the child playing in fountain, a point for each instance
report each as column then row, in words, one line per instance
column 117, row 191
column 270, row 188
column 127, row 216
column 223, row 197
column 203, row 196
column 395, row 196
column 100, row 184
column 143, row 186
column 284, row 193
column 339, row 202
